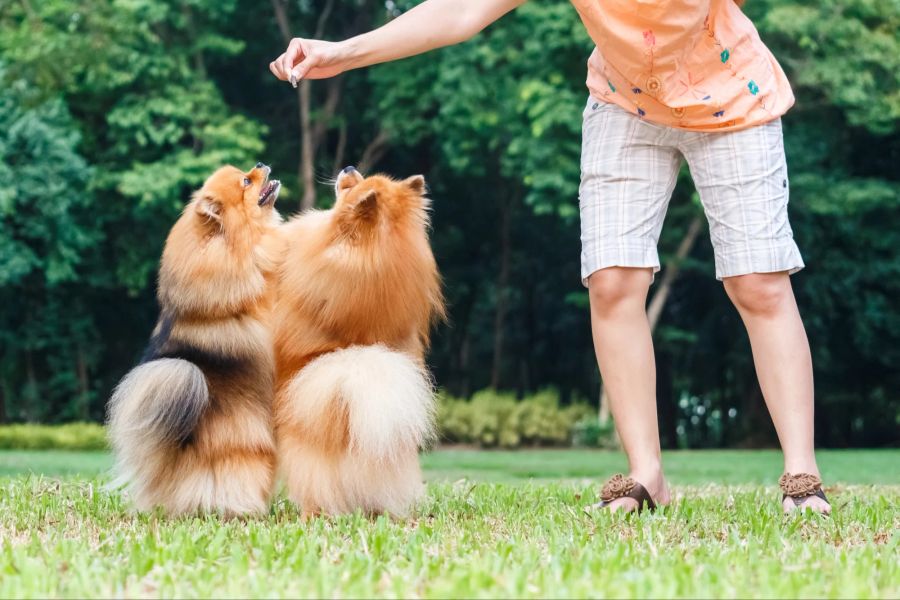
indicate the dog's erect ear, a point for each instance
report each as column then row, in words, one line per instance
column 210, row 208
column 416, row 183
column 347, row 179
column 366, row 207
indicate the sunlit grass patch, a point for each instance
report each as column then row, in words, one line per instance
column 72, row 537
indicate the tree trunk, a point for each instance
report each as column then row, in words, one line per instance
column 667, row 404
column 654, row 310
column 373, row 152
column 502, row 291
column 3, row 417
column 604, row 414
column 32, row 387
column 658, row 302
column 339, row 150
column 307, row 172
column 465, row 389
column 83, row 386
column 461, row 343
column 308, row 135
column 759, row 431
column 528, row 375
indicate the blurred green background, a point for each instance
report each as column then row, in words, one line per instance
column 112, row 111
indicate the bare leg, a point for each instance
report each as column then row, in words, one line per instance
column 624, row 350
column 781, row 354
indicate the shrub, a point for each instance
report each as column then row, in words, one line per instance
column 588, row 432
column 490, row 419
column 495, row 419
column 71, row 436
column 454, row 417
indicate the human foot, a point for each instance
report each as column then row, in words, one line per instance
column 634, row 492
column 803, row 491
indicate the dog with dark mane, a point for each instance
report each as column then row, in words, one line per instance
column 191, row 425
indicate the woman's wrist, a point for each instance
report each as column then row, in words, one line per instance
column 350, row 55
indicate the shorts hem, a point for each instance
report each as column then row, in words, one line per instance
column 617, row 257
column 783, row 258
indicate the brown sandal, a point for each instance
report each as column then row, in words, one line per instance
column 798, row 487
column 620, row 486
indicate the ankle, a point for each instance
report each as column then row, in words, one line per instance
column 650, row 476
column 806, row 465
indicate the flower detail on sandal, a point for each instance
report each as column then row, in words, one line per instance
column 799, row 485
column 617, row 487
column 620, row 486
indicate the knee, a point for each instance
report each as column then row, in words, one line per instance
column 759, row 293
column 612, row 288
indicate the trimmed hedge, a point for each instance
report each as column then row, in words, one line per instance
column 71, row 436
column 490, row 419
column 494, row 419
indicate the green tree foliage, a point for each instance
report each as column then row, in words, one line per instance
column 112, row 120
column 111, row 111
column 44, row 232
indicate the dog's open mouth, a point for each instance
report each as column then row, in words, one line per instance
column 269, row 193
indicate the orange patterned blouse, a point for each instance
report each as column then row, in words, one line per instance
column 691, row 64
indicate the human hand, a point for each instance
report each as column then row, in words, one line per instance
column 309, row 59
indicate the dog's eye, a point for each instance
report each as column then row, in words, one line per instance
column 246, row 181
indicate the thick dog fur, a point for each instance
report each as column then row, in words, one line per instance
column 191, row 425
column 357, row 293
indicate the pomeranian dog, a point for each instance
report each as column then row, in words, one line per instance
column 191, row 425
column 357, row 293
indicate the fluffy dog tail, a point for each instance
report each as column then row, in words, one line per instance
column 376, row 402
column 154, row 409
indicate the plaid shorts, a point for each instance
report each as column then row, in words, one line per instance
column 628, row 171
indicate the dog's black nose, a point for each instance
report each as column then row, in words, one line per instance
column 259, row 165
column 346, row 170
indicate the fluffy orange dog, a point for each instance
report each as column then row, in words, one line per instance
column 191, row 425
column 357, row 294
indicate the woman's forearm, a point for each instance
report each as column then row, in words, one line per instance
column 432, row 24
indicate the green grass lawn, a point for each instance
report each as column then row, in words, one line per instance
column 494, row 524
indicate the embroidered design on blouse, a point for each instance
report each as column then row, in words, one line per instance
column 690, row 86
column 650, row 46
column 683, row 86
column 724, row 56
